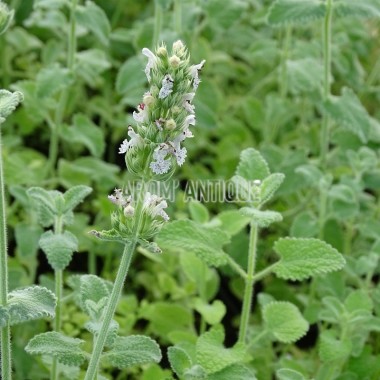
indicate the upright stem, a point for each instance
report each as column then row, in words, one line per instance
column 178, row 17
column 6, row 364
column 64, row 97
column 327, row 74
column 249, row 281
column 158, row 14
column 116, row 291
column 58, row 276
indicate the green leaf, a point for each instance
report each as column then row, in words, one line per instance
column 133, row 350
column 358, row 300
column 198, row 212
column 95, row 19
column 362, row 8
column 59, row 248
column 130, row 76
column 51, row 80
column 74, row 196
column 252, row 165
column 212, row 355
column 284, row 321
column 4, row 316
column 57, row 345
column 8, row 103
column 27, row 237
column 179, row 360
column 298, row 12
column 232, row 221
column 212, row 313
column 93, row 288
column 189, row 236
column 302, row 258
column 261, row 218
column 196, row 372
column 94, row 327
column 6, row 17
column 349, row 113
column 269, row 186
column 234, row 371
column 331, row 349
column 85, row 132
column 34, row 302
column 45, row 203
column 304, row 75
column 90, row 65
column 289, row 374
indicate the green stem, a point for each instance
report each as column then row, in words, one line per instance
column 264, row 272
column 6, row 363
column 64, row 97
column 327, row 74
column 116, row 290
column 92, row 263
column 236, row 267
column 284, row 58
column 178, row 17
column 158, row 14
column 249, row 281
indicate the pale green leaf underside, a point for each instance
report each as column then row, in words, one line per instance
column 179, row 360
column 261, row 218
column 348, row 112
column 302, row 258
column 299, row 12
column 331, row 348
column 289, row 374
column 74, row 196
column 30, row 303
column 269, row 186
column 189, row 236
column 252, row 165
column 284, row 321
column 8, row 103
column 212, row 355
column 133, row 350
column 64, row 348
column 58, row 248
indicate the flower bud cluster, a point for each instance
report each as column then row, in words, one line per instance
column 165, row 116
column 123, row 220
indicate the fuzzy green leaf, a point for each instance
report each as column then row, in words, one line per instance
column 93, row 288
column 331, row 349
column 130, row 76
column 51, row 80
column 34, row 302
column 190, row 236
column 252, row 165
column 284, row 321
column 212, row 355
column 232, row 221
column 269, row 186
column 289, row 374
column 298, row 12
column 94, row 328
column 348, row 112
column 179, row 360
column 133, row 350
column 57, row 345
column 198, row 212
column 74, row 196
column 261, row 218
column 212, row 313
column 59, row 248
column 95, row 19
column 85, row 132
column 304, row 75
column 302, row 258
column 6, row 17
column 8, row 103
column 362, row 8
column 45, row 203
column 234, row 371
column 4, row 316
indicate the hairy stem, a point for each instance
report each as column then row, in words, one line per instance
column 326, row 82
column 249, row 282
column 116, row 291
column 178, row 17
column 158, row 14
column 64, row 97
column 6, row 364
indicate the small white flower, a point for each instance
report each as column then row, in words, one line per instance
column 187, row 99
column 190, row 120
column 129, row 210
column 119, row 199
column 159, row 122
column 180, row 155
column 155, row 205
column 194, row 72
column 167, row 87
column 159, row 210
column 160, row 166
column 142, row 113
column 124, row 147
column 151, row 61
column 135, row 140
